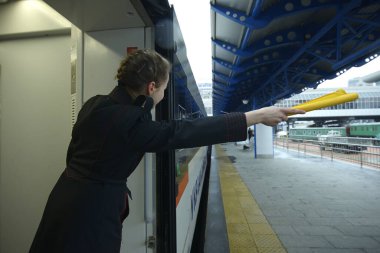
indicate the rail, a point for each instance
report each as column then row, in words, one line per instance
column 350, row 149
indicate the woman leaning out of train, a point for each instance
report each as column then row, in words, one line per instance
column 86, row 208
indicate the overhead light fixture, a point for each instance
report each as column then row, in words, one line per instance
column 245, row 101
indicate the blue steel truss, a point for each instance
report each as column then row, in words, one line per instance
column 287, row 46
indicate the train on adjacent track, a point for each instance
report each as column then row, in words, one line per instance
column 363, row 130
column 370, row 131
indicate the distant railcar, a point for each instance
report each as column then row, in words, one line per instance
column 362, row 130
column 366, row 130
column 371, row 130
column 312, row 133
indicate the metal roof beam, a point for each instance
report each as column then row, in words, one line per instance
column 222, row 86
column 257, row 21
column 229, row 80
column 319, row 56
column 361, row 53
column 228, row 65
column 222, row 76
column 314, row 39
column 220, row 92
column 363, row 21
column 233, row 49
column 292, row 8
column 239, row 17
column 257, row 8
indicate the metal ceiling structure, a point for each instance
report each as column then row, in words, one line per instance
column 266, row 50
column 92, row 16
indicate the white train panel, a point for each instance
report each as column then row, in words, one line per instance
column 188, row 206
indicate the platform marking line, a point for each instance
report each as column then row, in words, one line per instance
column 247, row 228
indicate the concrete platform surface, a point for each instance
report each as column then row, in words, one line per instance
column 313, row 205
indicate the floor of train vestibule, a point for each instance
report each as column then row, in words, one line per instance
column 292, row 203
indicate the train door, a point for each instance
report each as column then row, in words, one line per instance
column 35, row 131
column 180, row 173
column 48, row 69
column 35, row 120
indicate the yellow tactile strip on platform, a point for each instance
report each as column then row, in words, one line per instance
column 248, row 229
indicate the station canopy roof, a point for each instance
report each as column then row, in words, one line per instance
column 266, row 50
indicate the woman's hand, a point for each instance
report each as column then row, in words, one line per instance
column 270, row 116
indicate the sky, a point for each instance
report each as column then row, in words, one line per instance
column 342, row 80
column 194, row 19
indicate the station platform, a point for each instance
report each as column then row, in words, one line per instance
column 291, row 203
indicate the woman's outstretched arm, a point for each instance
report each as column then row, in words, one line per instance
column 270, row 116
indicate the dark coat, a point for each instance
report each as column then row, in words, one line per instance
column 85, row 209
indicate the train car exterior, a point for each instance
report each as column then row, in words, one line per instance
column 352, row 137
column 190, row 165
column 64, row 62
column 363, row 130
column 370, row 130
column 313, row 133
